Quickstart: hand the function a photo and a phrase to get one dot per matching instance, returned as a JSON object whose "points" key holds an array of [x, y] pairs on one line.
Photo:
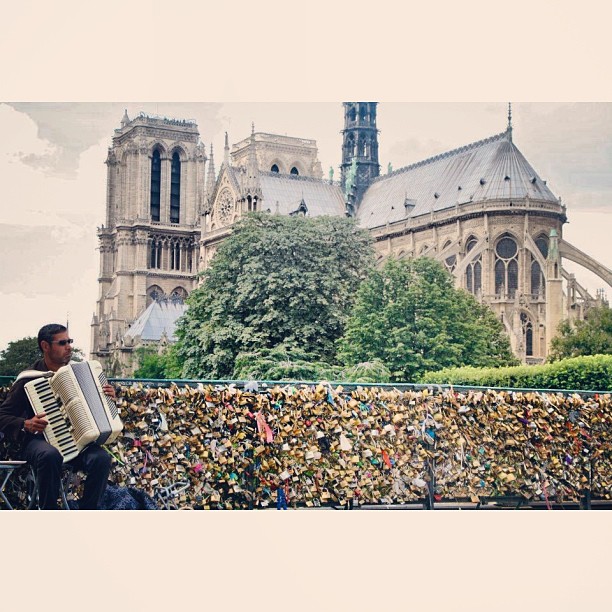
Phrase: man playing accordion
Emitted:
{"points": [[19, 423]]}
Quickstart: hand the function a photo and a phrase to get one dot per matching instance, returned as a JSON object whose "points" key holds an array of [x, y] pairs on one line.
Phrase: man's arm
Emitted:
{"points": [[13, 412]]}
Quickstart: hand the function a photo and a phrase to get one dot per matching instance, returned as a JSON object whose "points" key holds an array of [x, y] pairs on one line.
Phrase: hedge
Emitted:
{"points": [[592, 373]]}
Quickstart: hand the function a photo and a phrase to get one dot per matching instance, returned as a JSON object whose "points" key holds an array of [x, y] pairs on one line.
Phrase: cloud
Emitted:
{"points": [[44, 260], [73, 127]]}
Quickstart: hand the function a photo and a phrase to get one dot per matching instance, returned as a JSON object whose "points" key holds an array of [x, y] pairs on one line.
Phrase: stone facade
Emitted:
{"points": [[528, 300], [282, 154]]}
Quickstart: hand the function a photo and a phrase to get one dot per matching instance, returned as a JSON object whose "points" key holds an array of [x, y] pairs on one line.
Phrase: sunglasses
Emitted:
{"points": [[62, 342]]}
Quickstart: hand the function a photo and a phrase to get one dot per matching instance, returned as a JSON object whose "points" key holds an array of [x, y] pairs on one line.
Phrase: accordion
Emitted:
{"points": [[79, 413]]}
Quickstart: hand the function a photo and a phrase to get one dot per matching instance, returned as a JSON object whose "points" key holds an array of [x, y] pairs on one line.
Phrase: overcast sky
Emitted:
{"points": [[54, 179]]}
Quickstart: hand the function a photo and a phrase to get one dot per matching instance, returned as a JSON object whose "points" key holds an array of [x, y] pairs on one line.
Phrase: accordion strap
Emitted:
{"points": [[33, 374]]}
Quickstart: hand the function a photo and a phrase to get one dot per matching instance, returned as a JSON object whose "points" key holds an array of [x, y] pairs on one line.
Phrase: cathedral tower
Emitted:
{"points": [[149, 244], [359, 151]]}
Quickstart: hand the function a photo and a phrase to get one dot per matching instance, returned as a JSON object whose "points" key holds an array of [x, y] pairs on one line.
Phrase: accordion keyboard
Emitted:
{"points": [[58, 432]]}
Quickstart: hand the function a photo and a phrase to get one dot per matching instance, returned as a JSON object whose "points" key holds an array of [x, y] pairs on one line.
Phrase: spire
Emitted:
{"points": [[125, 120], [252, 128], [226, 151], [252, 159], [509, 129], [210, 179]]}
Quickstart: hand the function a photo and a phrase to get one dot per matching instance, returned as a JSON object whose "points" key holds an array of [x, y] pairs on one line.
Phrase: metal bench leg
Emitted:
{"points": [[34, 502], [2, 495]]}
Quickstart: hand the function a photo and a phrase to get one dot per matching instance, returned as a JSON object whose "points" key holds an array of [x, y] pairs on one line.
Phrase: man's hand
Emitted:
{"points": [[36, 424], [110, 391]]}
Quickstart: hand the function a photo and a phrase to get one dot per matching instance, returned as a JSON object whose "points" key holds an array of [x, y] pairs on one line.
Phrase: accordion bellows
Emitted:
{"points": [[79, 413]]}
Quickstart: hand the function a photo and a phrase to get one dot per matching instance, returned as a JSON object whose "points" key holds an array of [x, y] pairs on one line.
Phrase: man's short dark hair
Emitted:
{"points": [[47, 332]]}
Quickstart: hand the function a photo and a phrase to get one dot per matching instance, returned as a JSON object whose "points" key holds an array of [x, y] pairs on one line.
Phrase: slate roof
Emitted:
{"points": [[159, 317], [491, 169], [321, 197]]}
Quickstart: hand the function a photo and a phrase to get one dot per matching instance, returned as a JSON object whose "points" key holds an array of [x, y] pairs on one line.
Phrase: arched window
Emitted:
{"points": [[295, 171], [154, 294], [178, 295], [473, 271], [175, 256], [538, 286], [274, 168], [155, 184], [350, 145], [473, 276], [527, 327], [506, 266], [352, 114], [175, 188], [542, 244]]}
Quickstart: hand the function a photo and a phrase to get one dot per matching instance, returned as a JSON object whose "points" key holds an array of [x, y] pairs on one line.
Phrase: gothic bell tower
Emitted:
{"points": [[149, 245], [359, 151]]}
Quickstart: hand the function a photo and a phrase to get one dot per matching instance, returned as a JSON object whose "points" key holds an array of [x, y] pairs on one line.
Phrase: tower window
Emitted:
{"points": [[155, 185], [175, 189], [274, 168], [295, 171], [175, 256]]}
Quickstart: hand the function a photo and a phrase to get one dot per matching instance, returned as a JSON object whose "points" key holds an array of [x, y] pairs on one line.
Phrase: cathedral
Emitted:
{"points": [[481, 210]]}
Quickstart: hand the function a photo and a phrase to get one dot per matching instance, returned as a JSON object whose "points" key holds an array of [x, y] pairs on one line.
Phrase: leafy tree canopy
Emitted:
{"points": [[162, 366], [276, 281], [409, 315], [18, 356], [591, 336]]}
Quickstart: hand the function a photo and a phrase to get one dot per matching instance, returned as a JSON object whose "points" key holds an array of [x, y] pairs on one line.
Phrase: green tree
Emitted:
{"points": [[591, 336], [409, 315], [19, 355], [276, 281], [152, 364]]}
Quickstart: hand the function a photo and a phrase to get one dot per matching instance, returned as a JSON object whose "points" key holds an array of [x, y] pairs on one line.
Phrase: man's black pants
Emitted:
{"points": [[47, 462]]}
